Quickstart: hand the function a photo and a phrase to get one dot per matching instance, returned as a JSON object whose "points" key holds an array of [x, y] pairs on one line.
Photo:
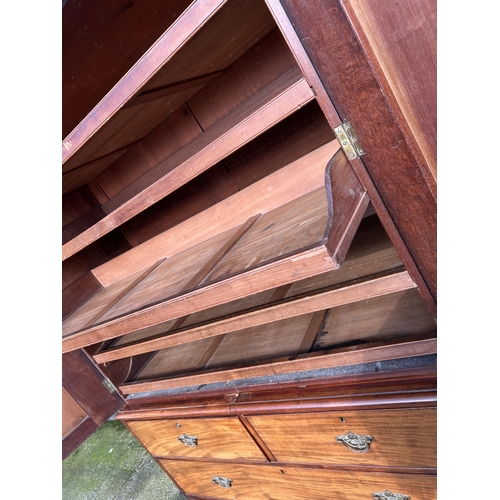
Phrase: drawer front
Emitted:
{"points": [[224, 438], [401, 438], [249, 482]]}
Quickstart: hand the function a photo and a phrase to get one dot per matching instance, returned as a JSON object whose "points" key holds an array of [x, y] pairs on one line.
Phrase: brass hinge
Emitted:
{"points": [[349, 141], [109, 385]]}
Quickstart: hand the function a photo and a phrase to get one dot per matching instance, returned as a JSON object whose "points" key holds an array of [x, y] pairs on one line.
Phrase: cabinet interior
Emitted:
{"points": [[214, 232], [220, 116]]}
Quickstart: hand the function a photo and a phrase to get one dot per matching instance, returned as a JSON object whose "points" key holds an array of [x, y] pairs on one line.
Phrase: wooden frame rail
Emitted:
{"points": [[193, 19], [373, 389], [314, 361], [285, 309]]}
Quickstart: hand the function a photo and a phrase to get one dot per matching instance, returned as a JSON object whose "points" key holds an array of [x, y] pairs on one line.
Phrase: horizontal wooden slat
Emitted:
{"points": [[165, 47], [274, 340], [307, 362], [288, 309], [281, 338], [273, 104], [300, 266]]}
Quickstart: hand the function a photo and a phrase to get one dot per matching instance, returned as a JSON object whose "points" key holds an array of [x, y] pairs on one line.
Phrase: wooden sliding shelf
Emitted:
{"points": [[301, 238], [216, 234]]}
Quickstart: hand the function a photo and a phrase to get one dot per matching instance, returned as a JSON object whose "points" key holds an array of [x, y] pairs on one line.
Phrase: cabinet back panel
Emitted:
{"points": [[267, 60], [177, 360], [401, 313], [282, 338]]}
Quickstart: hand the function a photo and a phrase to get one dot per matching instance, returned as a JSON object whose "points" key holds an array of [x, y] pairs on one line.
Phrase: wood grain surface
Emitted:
{"points": [[287, 229], [279, 482], [293, 180], [178, 274], [281, 338], [95, 57], [172, 134], [316, 361], [257, 115], [221, 438], [400, 192], [399, 313], [78, 292], [400, 39], [100, 302], [72, 413], [402, 438], [161, 51], [320, 301], [177, 360]]}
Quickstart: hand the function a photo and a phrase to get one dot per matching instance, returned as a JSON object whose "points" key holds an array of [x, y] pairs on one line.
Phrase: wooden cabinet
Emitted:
{"points": [[262, 300], [313, 443]]}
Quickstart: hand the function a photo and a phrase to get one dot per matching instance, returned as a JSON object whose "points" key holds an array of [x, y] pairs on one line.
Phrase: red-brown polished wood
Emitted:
{"points": [[95, 57], [332, 45], [83, 382]]}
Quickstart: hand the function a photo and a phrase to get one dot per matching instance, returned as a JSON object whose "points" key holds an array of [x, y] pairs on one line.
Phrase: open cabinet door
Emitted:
{"points": [[380, 60], [86, 401]]}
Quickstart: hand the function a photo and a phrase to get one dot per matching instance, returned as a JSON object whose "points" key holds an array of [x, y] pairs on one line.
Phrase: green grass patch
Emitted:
{"points": [[113, 465]]}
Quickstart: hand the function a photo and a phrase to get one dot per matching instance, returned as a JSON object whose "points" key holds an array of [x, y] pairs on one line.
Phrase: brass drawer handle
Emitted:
{"points": [[355, 442], [188, 440], [389, 495], [222, 481]]}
